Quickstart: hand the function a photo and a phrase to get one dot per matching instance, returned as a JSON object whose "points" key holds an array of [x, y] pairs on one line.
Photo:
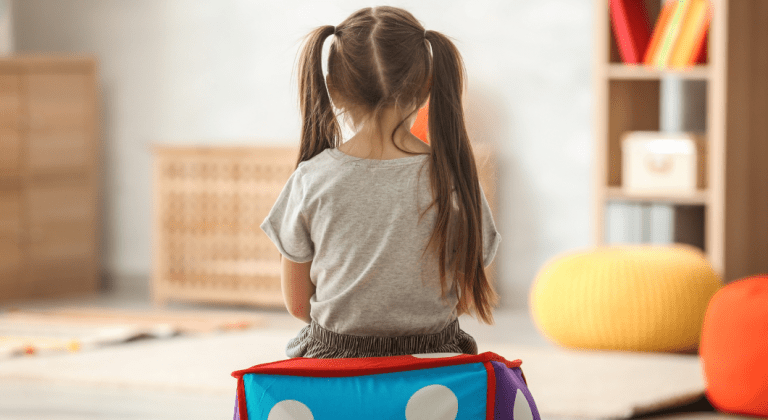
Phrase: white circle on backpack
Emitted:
{"points": [[290, 410], [432, 402]]}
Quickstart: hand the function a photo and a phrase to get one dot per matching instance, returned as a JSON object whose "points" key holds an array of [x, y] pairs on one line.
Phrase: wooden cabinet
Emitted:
{"points": [[49, 177], [728, 218]]}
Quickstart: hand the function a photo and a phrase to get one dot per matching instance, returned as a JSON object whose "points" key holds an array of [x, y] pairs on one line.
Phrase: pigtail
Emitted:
{"points": [[319, 128], [454, 172]]}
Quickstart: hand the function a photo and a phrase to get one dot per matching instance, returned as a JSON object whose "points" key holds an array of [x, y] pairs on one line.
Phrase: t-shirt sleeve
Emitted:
{"points": [[491, 236], [286, 224]]}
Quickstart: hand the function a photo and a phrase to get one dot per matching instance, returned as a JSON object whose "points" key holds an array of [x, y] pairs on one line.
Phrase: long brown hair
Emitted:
{"points": [[382, 57]]}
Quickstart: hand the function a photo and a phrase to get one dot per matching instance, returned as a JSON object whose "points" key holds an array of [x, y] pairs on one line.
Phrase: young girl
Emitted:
{"points": [[385, 238]]}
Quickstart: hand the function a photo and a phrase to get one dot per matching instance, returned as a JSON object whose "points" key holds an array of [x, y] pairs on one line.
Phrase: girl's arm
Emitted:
{"points": [[297, 288]]}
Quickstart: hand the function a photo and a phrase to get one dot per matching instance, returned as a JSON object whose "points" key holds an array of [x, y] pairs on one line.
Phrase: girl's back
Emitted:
{"points": [[375, 233]]}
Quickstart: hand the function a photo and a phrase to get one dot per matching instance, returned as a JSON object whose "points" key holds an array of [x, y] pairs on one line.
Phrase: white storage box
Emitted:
{"points": [[656, 162]]}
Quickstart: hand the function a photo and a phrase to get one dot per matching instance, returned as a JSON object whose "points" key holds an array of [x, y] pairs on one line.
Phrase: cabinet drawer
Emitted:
{"points": [[10, 150], [10, 101], [61, 220], [58, 151], [64, 199], [60, 240], [59, 101], [11, 271], [59, 277], [11, 251], [10, 215]]}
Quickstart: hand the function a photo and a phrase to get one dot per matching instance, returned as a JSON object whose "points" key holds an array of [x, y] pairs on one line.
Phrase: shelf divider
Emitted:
{"points": [[618, 71], [700, 197]]}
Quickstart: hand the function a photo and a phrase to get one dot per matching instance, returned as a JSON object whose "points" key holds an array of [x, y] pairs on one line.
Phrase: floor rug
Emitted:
{"points": [[565, 383], [607, 384], [33, 332]]}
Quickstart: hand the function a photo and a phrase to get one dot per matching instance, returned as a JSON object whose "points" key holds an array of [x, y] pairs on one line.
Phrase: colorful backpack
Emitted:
{"points": [[434, 386]]}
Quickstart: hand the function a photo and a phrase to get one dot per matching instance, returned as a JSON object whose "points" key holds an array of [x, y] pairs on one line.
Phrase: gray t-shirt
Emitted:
{"points": [[357, 220]]}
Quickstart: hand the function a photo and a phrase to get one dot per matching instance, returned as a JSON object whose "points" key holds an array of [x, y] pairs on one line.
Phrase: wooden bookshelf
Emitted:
{"points": [[728, 219]]}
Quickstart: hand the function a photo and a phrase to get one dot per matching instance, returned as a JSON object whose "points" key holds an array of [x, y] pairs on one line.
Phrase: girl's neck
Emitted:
{"points": [[376, 141]]}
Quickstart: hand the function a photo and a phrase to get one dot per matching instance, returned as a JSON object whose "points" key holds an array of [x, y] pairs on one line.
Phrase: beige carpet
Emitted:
{"points": [[37, 332], [564, 383], [598, 384]]}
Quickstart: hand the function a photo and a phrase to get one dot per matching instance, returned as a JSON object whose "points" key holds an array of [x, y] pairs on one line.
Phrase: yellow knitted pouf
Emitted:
{"points": [[630, 297]]}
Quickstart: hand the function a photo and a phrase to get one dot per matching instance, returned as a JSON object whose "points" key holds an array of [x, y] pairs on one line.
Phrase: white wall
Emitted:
{"points": [[216, 72]]}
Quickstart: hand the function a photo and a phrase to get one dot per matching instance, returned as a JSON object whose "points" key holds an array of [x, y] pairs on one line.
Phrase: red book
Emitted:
{"points": [[701, 56], [700, 53], [631, 29]]}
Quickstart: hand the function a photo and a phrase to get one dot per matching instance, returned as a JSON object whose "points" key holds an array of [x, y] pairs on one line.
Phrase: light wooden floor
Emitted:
{"points": [[23, 400]]}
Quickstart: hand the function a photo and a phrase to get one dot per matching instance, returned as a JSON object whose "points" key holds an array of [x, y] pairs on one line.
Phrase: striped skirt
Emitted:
{"points": [[317, 342]]}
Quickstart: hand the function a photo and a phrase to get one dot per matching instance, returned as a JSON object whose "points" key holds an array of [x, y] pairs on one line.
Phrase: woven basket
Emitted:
{"points": [[209, 202]]}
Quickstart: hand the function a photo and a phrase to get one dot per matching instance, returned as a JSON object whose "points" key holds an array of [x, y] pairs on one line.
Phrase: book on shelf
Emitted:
{"points": [[670, 33], [679, 38], [631, 29], [692, 33], [701, 44], [661, 24], [703, 48]]}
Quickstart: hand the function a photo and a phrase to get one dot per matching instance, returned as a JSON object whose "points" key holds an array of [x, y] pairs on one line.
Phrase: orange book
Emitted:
{"points": [[693, 27], [699, 53], [670, 35], [658, 31]]}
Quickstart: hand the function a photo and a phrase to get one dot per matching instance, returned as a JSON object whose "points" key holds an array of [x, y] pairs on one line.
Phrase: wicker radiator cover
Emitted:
{"points": [[208, 204]]}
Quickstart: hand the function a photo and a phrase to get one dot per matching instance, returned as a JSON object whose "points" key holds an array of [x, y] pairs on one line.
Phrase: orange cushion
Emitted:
{"points": [[420, 127], [734, 347]]}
